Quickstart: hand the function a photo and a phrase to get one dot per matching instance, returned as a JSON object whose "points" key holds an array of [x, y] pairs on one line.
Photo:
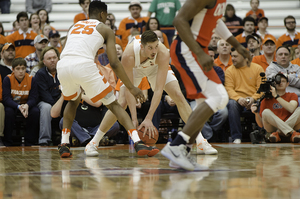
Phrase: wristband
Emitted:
{"points": [[277, 96]]}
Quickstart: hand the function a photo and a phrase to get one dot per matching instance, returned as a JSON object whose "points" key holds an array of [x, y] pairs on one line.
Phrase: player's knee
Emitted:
{"points": [[218, 99]]}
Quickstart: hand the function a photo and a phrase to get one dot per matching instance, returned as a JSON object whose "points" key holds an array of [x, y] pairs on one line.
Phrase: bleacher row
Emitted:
{"points": [[64, 11]]}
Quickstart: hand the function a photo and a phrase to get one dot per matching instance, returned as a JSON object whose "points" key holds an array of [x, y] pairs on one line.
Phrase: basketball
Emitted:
{"points": [[146, 139]]}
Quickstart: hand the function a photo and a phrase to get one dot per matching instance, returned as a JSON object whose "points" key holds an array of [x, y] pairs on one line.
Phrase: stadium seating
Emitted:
{"points": [[64, 11]]}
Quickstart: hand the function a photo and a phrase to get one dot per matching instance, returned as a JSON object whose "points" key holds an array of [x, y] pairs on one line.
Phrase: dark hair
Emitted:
{"points": [[111, 25], [284, 46], [31, 18], [2, 32], [21, 14], [18, 62], [97, 7], [82, 1], [148, 23], [229, 7], [148, 36], [210, 48], [46, 49], [248, 19], [289, 17], [38, 12]]}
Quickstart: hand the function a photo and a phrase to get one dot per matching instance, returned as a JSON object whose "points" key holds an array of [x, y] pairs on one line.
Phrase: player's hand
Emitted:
{"points": [[205, 61], [135, 123], [148, 128], [245, 53], [138, 94]]}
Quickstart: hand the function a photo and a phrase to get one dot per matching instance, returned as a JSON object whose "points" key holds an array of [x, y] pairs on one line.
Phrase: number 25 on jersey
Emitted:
{"points": [[83, 29]]}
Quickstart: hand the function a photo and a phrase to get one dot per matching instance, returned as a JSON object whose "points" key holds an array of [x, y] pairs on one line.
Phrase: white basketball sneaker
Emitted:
{"points": [[178, 155], [91, 149], [204, 148]]}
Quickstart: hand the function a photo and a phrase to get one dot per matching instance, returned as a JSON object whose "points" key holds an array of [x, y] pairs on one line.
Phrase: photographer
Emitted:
{"points": [[279, 115], [284, 65]]}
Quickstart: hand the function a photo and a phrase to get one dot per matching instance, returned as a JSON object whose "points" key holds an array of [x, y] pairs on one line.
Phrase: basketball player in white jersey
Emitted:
{"points": [[146, 56], [77, 71]]}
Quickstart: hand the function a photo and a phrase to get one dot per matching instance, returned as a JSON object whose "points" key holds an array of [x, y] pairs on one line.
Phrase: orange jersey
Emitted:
{"points": [[20, 91], [3, 39], [296, 61], [285, 39], [81, 16], [202, 26], [126, 24], [259, 14], [221, 65], [262, 61], [144, 85], [23, 46]]}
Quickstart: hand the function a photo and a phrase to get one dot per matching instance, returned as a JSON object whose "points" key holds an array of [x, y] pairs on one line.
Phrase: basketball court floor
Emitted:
{"points": [[239, 171]]}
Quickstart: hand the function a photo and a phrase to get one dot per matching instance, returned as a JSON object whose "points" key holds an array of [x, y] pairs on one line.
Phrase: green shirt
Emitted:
{"points": [[165, 10]]}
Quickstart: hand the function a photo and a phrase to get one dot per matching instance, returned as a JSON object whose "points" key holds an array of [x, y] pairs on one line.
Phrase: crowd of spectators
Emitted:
{"points": [[34, 46]]}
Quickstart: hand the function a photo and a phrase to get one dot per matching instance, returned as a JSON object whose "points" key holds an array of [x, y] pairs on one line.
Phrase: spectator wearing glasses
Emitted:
{"points": [[291, 37]]}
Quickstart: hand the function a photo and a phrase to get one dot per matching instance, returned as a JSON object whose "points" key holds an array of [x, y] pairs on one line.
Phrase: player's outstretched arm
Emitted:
{"points": [[116, 65]]}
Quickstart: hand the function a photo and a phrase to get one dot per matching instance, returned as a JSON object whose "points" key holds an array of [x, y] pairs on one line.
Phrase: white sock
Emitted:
{"points": [[184, 136], [65, 136], [98, 136], [199, 138], [135, 136]]}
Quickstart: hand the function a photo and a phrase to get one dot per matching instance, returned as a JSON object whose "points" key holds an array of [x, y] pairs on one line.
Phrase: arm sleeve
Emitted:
{"points": [[7, 98], [33, 94], [229, 85]]}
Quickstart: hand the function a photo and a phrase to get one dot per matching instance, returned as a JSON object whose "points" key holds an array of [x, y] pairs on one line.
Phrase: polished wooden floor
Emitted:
{"points": [[237, 172]]}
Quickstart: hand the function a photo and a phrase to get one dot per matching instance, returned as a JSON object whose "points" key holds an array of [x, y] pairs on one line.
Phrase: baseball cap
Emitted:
{"points": [[260, 19], [283, 75], [53, 33], [253, 37], [135, 3], [40, 38], [6, 46], [268, 39]]}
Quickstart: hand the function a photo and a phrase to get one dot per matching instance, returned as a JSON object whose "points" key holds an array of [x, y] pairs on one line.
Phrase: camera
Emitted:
{"points": [[266, 83], [258, 136]]}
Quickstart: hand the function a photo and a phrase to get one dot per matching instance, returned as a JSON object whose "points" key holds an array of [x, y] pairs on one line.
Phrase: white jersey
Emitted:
{"points": [[83, 40], [137, 49]]}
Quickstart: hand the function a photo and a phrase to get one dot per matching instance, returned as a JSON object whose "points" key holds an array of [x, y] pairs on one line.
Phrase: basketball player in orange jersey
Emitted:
{"points": [[77, 71], [195, 23]]}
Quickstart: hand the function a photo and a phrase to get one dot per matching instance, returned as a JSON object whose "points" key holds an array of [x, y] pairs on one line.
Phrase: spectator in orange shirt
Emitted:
{"points": [[23, 38], [224, 58], [133, 23], [262, 28], [84, 4], [249, 26], [255, 12], [269, 47], [291, 37]]}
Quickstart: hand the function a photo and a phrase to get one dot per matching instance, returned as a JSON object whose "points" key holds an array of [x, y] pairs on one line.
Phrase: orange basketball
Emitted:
{"points": [[146, 139]]}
